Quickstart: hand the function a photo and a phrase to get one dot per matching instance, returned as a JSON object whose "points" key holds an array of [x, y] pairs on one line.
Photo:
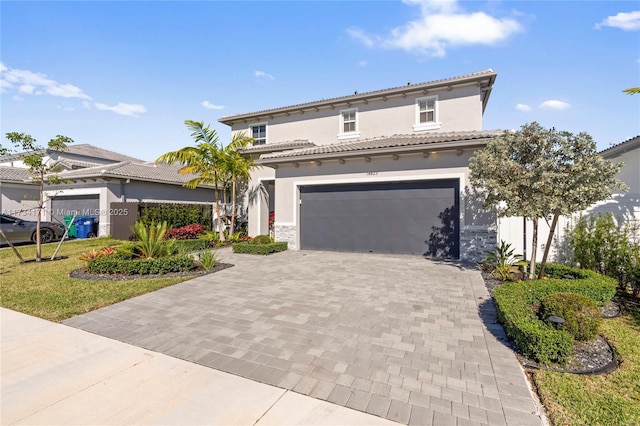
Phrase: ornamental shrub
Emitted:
{"points": [[516, 305], [581, 315], [610, 248], [189, 232], [251, 248], [119, 264], [262, 239]]}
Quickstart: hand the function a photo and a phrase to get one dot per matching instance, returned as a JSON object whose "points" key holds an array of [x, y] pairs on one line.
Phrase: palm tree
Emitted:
{"points": [[632, 91], [204, 160], [237, 167]]}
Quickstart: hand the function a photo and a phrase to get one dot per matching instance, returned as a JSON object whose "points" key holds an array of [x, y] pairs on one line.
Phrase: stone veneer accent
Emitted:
{"points": [[286, 233], [475, 240]]}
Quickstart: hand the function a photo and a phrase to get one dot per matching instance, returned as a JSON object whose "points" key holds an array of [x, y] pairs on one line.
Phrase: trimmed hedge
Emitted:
{"points": [[116, 264], [185, 246], [581, 315], [516, 305], [259, 248]]}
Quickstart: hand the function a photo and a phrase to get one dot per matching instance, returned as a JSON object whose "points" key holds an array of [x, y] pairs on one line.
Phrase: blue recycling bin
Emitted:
{"points": [[84, 226]]}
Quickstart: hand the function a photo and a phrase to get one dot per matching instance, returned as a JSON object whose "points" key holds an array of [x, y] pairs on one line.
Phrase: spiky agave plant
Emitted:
{"points": [[151, 240]]}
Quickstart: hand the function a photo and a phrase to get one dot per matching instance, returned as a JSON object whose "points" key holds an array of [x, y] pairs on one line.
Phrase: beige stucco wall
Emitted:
{"points": [[459, 109], [630, 172], [19, 200], [258, 204]]}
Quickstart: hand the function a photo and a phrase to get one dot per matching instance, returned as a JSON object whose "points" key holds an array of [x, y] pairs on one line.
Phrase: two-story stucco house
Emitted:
{"points": [[382, 171]]}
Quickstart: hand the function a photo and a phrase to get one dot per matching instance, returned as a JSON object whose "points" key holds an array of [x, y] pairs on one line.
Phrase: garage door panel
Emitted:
{"points": [[401, 217], [82, 205]]}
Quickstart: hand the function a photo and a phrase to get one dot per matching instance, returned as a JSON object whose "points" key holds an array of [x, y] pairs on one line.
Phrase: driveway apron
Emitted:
{"points": [[400, 337]]}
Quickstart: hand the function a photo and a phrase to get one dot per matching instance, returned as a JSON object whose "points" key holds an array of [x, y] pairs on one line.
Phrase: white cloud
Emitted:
{"points": [[442, 25], [362, 63], [262, 74], [209, 105], [29, 82], [87, 104], [131, 110], [65, 108], [555, 104], [625, 21], [360, 35], [523, 107], [17, 98]]}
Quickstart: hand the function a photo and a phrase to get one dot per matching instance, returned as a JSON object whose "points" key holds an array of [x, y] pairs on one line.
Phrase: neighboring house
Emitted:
{"points": [[18, 195], [382, 171], [625, 205], [92, 179]]}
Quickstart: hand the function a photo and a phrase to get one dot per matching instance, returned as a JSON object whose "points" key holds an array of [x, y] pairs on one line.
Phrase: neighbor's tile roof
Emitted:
{"points": [[162, 173], [395, 141], [365, 95], [78, 164], [79, 149], [279, 146], [96, 152], [14, 174], [621, 148]]}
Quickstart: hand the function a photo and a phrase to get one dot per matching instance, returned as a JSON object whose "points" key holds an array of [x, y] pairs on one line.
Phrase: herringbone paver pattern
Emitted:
{"points": [[400, 337]]}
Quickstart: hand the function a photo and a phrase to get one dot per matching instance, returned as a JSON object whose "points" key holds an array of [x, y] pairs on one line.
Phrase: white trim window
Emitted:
{"points": [[426, 114], [348, 124], [259, 133]]}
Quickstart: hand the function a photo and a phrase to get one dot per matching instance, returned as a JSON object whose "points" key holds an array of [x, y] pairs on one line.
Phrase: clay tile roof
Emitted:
{"points": [[153, 172], [395, 141], [279, 146], [14, 174]]}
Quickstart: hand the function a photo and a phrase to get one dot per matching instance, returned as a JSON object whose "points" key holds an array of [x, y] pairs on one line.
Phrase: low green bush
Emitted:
{"points": [[261, 239], [582, 317], [556, 270], [517, 305], [122, 264], [185, 246], [251, 248]]}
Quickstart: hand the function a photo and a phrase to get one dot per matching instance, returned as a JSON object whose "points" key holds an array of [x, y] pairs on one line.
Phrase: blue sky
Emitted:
{"points": [[125, 75]]}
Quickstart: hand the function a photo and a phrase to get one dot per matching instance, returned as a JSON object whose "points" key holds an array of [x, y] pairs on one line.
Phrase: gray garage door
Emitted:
{"points": [[84, 205], [399, 217]]}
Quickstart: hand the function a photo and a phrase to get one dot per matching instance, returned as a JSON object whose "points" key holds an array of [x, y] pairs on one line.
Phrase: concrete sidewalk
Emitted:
{"points": [[54, 374]]}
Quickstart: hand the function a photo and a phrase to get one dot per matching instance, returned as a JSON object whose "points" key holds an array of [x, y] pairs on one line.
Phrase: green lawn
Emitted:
{"points": [[611, 399], [45, 289]]}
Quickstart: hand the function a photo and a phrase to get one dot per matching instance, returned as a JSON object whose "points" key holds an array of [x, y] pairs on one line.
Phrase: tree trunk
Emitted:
{"points": [[220, 232], [39, 219], [554, 222], [233, 206], [534, 249]]}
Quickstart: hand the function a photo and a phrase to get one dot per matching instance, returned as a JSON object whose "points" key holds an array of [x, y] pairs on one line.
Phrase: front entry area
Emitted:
{"points": [[412, 217]]}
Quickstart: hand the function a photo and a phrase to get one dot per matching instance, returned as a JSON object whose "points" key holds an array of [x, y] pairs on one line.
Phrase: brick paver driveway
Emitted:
{"points": [[400, 337]]}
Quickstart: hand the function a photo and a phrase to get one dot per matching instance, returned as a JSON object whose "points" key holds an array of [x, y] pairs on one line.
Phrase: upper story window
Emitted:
{"points": [[348, 124], [426, 113], [259, 134]]}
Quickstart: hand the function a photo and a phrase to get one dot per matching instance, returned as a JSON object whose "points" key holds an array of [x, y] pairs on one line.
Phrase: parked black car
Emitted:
{"points": [[19, 230]]}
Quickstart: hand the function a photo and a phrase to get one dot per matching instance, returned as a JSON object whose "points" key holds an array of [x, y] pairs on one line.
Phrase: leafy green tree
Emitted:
{"points": [[204, 160], [33, 156], [237, 168], [542, 173]]}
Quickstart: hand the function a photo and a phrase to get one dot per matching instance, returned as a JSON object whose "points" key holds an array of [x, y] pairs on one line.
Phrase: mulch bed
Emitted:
{"points": [[83, 275], [593, 357]]}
